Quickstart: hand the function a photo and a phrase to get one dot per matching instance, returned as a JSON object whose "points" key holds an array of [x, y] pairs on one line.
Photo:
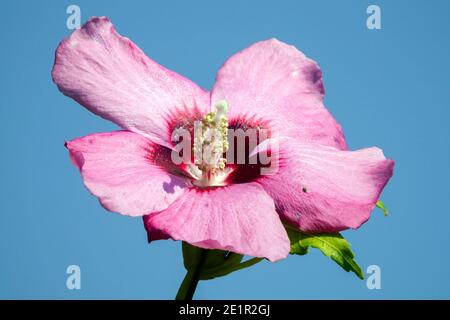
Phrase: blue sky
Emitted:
{"points": [[388, 88]]}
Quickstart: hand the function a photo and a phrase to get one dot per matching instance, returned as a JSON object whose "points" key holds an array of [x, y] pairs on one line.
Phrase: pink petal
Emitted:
{"points": [[322, 189], [274, 81], [113, 78], [121, 169], [239, 218]]}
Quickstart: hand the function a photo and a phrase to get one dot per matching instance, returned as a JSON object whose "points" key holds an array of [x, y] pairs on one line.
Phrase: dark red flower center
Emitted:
{"points": [[236, 163]]}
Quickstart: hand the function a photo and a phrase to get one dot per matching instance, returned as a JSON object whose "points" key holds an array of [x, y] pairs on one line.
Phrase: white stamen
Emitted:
{"points": [[210, 143]]}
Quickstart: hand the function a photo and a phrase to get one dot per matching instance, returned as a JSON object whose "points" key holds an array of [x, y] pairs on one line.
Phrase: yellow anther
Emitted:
{"points": [[211, 140]]}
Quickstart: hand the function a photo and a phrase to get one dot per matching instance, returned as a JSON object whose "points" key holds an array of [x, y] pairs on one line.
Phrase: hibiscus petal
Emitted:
{"points": [[122, 169], [113, 78], [239, 218], [276, 82], [322, 189]]}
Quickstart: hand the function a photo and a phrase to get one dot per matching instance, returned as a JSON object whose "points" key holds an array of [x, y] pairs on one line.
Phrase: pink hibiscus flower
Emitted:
{"points": [[318, 185]]}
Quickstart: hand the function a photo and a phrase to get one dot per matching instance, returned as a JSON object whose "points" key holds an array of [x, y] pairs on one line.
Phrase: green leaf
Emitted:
{"points": [[217, 263], [381, 206], [331, 245]]}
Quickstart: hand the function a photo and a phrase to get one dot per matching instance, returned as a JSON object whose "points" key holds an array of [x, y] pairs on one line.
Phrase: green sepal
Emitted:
{"points": [[381, 206], [217, 263]]}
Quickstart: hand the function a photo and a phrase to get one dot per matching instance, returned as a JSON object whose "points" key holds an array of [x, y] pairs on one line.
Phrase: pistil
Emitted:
{"points": [[210, 143]]}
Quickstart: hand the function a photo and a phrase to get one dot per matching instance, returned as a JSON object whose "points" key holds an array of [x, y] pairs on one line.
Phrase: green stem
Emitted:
{"points": [[190, 281]]}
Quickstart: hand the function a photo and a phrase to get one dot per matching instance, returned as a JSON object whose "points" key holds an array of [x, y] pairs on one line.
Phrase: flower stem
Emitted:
{"points": [[190, 281]]}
